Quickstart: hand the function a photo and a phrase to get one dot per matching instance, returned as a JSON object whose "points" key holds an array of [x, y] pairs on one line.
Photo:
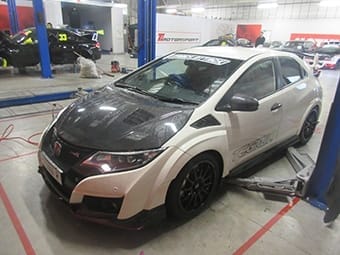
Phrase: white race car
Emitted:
{"points": [[163, 137]]}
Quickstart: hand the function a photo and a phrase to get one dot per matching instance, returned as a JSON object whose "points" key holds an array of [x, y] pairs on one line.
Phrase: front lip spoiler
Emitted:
{"points": [[136, 222]]}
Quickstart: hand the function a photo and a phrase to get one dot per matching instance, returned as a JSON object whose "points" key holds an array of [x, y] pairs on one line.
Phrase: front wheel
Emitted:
{"points": [[193, 188], [308, 127]]}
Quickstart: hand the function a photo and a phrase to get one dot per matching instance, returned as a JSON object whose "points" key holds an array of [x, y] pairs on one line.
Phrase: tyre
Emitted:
{"points": [[194, 187], [308, 127]]}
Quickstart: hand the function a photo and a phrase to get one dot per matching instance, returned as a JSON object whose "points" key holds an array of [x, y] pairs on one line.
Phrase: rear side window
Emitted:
{"points": [[290, 70]]}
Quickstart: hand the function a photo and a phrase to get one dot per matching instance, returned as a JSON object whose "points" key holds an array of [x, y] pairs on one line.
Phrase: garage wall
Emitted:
{"points": [[117, 30], [180, 32], [282, 29], [53, 12], [280, 22]]}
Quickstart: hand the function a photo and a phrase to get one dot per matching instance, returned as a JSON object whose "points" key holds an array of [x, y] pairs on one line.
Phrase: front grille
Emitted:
{"points": [[70, 155]]}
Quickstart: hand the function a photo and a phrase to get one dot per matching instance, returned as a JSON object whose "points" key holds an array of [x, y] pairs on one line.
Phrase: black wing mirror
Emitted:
{"points": [[240, 102]]}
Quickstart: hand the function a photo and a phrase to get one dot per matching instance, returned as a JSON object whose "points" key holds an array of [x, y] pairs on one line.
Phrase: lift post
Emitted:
{"points": [[146, 31], [327, 159], [40, 24], [13, 17]]}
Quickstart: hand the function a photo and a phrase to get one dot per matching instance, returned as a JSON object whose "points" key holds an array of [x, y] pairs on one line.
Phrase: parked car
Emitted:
{"points": [[328, 57], [299, 47], [220, 42], [22, 49], [243, 42], [330, 43], [162, 137]]}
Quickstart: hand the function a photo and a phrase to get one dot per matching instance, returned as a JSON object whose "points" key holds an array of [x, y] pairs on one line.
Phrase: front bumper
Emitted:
{"points": [[103, 210]]}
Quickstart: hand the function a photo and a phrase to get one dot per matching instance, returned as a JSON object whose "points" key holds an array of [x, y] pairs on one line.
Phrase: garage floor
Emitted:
{"points": [[33, 221]]}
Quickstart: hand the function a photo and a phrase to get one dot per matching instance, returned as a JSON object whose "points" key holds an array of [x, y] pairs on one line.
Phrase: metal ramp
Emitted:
{"points": [[302, 164]]}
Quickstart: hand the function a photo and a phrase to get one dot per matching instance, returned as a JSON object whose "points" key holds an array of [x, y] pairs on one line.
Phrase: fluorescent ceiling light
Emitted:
{"points": [[267, 5], [197, 9], [330, 3], [170, 11]]}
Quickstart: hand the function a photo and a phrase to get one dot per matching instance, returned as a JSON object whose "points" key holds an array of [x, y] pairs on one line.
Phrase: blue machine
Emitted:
{"points": [[327, 159]]}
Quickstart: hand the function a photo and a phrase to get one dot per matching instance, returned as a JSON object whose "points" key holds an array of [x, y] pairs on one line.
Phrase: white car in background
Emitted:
{"points": [[163, 137]]}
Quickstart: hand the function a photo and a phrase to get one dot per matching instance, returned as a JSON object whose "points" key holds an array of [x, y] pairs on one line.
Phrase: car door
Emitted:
{"points": [[28, 53], [296, 94], [250, 133], [61, 46]]}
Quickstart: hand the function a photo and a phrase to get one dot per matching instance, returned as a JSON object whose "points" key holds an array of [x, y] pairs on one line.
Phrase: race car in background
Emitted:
{"points": [[329, 57], [21, 50]]}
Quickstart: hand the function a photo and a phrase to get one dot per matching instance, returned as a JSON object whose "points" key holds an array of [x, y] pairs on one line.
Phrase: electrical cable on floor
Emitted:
{"points": [[5, 136]]}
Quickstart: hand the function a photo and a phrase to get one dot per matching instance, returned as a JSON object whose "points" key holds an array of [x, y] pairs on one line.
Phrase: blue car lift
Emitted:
{"points": [[146, 31], [13, 17], [313, 180], [39, 19], [40, 24]]}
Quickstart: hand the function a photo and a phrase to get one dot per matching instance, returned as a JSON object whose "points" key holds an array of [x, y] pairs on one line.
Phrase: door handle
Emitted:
{"points": [[275, 107]]}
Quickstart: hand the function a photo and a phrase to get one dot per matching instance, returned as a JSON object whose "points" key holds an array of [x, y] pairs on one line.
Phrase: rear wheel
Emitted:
{"points": [[308, 127], [193, 188]]}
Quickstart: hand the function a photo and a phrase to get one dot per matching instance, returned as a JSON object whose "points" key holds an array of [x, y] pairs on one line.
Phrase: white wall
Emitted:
{"points": [[280, 22], [117, 30], [180, 32], [282, 29], [53, 12]]}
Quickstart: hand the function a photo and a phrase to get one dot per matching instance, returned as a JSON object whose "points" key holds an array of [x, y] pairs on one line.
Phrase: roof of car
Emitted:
{"points": [[226, 52]]}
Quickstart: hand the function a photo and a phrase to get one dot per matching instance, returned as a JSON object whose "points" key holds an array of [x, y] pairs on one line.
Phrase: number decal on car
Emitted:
{"points": [[62, 37]]}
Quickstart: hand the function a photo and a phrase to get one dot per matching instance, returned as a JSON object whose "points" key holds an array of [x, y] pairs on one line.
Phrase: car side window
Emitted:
{"points": [[258, 81], [290, 70]]}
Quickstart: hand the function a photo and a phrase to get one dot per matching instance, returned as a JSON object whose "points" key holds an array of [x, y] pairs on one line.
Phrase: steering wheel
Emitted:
{"points": [[177, 80]]}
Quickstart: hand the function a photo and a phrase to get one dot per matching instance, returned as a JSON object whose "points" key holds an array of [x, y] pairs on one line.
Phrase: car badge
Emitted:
{"points": [[57, 149]]}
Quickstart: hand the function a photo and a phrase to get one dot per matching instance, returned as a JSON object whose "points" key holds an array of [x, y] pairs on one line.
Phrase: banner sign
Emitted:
{"points": [[169, 37]]}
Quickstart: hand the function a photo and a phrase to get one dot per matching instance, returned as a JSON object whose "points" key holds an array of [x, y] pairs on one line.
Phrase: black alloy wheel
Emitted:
{"points": [[193, 188], [308, 127]]}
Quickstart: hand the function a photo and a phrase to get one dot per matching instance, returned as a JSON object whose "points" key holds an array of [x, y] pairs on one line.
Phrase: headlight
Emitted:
{"points": [[105, 162]]}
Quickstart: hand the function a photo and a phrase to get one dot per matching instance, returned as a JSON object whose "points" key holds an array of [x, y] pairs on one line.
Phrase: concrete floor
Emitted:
{"points": [[238, 222]]}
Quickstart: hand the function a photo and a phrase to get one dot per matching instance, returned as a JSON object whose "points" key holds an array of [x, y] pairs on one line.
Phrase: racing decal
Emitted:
{"points": [[4, 62], [205, 59], [62, 37], [252, 146]]}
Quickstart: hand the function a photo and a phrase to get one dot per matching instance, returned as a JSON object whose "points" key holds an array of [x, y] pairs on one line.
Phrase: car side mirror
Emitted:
{"points": [[240, 102]]}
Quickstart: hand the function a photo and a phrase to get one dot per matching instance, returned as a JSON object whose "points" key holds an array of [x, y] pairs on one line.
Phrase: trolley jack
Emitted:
{"points": [[303, 165]]}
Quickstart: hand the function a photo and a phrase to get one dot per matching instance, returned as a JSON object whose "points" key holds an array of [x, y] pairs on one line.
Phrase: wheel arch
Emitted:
{"points": [[312, 106]]}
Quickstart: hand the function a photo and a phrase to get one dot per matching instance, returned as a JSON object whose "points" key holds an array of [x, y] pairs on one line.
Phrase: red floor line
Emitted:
{"points": [[265, 228], [18, 156], [16, 223]]}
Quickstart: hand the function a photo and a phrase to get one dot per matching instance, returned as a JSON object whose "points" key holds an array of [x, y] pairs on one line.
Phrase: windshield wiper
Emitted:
{"points": [[132, 88], [175, 100]]}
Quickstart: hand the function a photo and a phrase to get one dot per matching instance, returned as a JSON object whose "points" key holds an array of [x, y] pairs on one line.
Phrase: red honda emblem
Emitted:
{"points": [[57, 149]]}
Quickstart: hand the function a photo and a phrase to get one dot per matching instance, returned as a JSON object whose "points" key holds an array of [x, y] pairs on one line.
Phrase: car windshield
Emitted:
{"points": [[293, 44], [181, 78]]}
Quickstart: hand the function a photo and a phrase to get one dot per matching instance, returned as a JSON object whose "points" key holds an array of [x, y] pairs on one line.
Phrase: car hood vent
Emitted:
{"points": [[138, 117]]}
